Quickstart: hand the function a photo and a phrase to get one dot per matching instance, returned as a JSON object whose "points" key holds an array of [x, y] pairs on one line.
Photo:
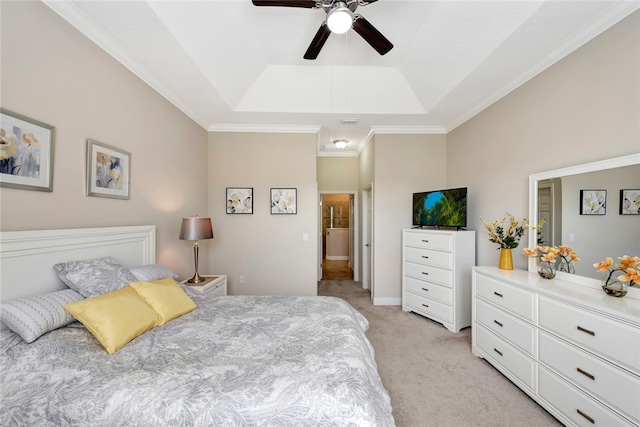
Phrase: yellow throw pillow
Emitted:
{"points": [[165, 297], [114, 318]]}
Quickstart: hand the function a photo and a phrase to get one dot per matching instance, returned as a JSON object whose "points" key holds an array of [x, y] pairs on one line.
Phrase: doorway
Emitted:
{"points": [[337, 231]]}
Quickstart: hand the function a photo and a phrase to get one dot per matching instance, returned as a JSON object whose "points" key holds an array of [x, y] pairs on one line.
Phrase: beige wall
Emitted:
{"points": [[268, 250], [582, 109], [338, 174], [52, 73], [404, 164]]}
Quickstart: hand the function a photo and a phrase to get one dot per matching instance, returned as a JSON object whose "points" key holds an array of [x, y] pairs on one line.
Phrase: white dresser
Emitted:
{"points": [[572, 348], [436, 275]]}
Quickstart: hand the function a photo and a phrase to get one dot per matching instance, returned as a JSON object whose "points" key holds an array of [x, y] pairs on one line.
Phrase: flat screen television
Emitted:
{"points": [[441, 208]]}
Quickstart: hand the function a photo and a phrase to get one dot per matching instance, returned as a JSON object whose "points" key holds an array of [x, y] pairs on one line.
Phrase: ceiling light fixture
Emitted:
{"points": [[340, 143], [340, 18]]}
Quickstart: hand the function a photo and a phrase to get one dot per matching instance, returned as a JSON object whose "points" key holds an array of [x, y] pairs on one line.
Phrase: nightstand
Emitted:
{"points": [[213, 285]]}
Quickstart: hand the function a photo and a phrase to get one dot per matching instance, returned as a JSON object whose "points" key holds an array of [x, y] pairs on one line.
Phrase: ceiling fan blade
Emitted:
{"points": [[372, 36], [308, 4], [318, 41], [365, 2]]}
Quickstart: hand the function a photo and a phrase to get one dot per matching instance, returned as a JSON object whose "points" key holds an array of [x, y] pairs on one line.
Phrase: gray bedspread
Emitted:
{"points": [[234, 361]]}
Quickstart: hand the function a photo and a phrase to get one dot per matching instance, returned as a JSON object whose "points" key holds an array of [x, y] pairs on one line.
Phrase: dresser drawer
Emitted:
{"points": [[617, 388], [428, 307], [516, 331], [429, 290], [443, 242], [505, 355], [428, 273], [429, 257], [510, 298], [574, 404], [615, 341]]}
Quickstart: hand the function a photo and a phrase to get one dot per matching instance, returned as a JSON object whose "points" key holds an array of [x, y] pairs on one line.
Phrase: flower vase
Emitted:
{"points": [[566, 267], [506, 259], [546, 270], [612, 286]]}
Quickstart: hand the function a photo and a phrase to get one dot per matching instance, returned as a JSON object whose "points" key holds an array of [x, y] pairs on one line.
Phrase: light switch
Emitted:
{"points": [[571, 237], [305, 237]]}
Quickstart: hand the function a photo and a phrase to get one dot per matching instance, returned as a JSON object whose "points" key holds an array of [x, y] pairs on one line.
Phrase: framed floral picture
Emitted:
{"points": [[284, 201], [239, 200], [108, 171], [593, 202], [26, 153], [629, 202]]}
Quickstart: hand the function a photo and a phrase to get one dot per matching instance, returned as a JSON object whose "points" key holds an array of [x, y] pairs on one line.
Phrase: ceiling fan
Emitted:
{"points": [[340, 18]]}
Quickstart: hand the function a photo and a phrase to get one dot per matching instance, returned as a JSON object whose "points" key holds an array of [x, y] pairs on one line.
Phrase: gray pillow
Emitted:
{"points": [[151, 272], [32, 317], [94, 277]]}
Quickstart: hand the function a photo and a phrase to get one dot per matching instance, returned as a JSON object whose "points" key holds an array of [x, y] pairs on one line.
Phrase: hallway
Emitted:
{"points": [[336, 270]]}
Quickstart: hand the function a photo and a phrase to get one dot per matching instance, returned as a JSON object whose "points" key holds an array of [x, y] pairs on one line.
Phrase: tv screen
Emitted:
{"points": [[442, 208]]}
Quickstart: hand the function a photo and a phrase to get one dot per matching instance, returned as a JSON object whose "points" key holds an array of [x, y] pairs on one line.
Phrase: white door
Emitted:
{"points": [[545, 212], [351, 233]]}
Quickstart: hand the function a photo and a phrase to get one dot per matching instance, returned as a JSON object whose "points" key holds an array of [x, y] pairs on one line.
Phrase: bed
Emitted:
{"points": [[237, 360]]}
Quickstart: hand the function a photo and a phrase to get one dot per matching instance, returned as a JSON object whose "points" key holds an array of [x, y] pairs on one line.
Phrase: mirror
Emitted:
{"points": [[558, 195]]}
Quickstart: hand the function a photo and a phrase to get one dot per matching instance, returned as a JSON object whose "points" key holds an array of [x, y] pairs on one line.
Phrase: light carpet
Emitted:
{"points": [[431, 375]]}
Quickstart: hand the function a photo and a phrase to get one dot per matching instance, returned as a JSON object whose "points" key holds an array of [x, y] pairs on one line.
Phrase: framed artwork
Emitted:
{"points": [[239, 200], [284, 201], [108, 171], [26, 153], [629, 202], [593, 202]]}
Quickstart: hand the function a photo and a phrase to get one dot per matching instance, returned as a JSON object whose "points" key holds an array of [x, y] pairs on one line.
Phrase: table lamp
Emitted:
{"points": [[196, 229]]}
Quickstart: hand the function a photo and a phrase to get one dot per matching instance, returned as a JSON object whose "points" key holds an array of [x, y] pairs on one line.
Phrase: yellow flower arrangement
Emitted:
{"points": [[509, 237]]}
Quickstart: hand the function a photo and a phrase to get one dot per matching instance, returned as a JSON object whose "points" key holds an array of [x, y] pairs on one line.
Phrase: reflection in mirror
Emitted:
{"points": [[555, 196]]}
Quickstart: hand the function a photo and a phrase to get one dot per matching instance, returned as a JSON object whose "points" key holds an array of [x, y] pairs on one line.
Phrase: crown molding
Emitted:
{"points": [[409, 130], [223, 127]]}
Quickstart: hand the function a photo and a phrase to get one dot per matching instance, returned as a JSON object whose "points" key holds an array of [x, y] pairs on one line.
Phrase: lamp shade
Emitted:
{"points": [[196, 229]]}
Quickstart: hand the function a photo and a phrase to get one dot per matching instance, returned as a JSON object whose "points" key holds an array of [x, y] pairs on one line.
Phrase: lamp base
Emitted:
{"points": [[196, 279]]}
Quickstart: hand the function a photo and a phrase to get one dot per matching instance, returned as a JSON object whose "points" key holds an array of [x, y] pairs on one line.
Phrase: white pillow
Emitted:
{"points": [[94, 277], [32, 317], [152, 272]]}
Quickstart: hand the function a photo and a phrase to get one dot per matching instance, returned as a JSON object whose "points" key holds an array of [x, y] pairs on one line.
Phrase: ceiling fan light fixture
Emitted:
{"points": [[340, 143], [340, 18]]}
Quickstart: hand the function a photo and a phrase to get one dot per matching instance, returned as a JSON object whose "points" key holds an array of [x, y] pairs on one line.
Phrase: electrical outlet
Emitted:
{"points": [[241, 280]]}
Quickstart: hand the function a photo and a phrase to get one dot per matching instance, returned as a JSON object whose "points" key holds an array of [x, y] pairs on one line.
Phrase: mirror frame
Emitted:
{"points": [[630, 160]]}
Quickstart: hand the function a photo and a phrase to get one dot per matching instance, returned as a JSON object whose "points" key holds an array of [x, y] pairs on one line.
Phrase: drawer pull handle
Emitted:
{"points": [[425, 240], [591, 420], [425, 289], [425, 257], [586, 331], [500, 295], [425, 273], [425, 305], [497, 351], [586, 374], [497, 323]]}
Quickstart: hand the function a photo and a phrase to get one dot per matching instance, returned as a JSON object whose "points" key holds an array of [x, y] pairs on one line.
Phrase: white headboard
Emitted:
{"points": [[27, 257]]}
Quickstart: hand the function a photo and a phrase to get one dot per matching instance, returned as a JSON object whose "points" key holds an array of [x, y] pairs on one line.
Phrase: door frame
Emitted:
{"points": [[367, 234], [354, 230]]}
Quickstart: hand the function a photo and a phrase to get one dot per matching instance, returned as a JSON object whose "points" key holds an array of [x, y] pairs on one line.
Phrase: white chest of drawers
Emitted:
{"points": [[436, 275], [573, 349]]}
